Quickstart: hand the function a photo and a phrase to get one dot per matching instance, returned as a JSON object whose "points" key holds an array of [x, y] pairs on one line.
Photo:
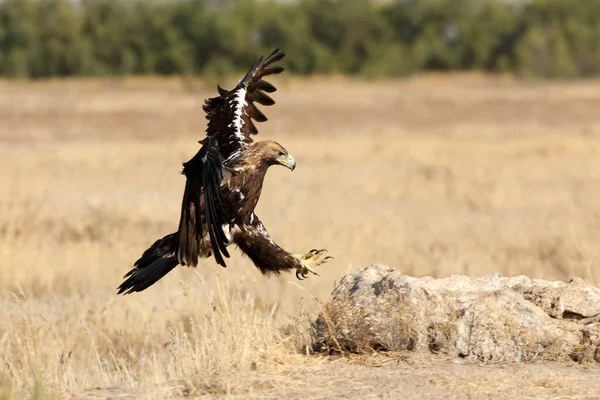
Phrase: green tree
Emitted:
{"points": [[19, 44]]}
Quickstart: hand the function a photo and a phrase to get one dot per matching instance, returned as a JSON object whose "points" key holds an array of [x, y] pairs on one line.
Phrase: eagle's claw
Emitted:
{"points": [[303, 271], [317, 252], [308, 261]]}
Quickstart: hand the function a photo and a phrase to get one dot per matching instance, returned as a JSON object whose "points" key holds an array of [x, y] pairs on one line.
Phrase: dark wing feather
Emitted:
{"points": [[213, 207], [202, 207], [251, 127], [272, 70], [189, 234], [222, 91], [232, 114], [261, 98], [265, 86], [255, 113]]}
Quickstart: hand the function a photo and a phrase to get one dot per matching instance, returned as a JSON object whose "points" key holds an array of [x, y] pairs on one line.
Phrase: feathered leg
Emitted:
{"points": [[256, 243]]}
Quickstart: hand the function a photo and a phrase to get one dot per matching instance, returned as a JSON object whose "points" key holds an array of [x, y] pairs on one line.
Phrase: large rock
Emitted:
{"points": [[490, 318]]}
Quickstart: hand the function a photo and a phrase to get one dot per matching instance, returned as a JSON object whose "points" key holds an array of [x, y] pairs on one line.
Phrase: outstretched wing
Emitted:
{"points": [[231, 115], [202, 208], [230, 124]]}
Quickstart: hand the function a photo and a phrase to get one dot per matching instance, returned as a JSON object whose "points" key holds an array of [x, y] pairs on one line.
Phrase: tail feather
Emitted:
{"points": [[155, 263]]}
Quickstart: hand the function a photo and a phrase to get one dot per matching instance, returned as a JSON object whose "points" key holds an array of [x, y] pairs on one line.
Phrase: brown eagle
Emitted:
{"points": [[223, 184]]}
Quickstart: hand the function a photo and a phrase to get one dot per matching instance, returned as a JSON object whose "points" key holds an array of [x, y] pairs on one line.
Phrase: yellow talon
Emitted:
{"points": [[310, 260]]}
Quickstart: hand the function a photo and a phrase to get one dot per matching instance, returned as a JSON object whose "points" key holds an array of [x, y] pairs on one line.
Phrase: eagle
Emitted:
{"points": [[223, 185]]}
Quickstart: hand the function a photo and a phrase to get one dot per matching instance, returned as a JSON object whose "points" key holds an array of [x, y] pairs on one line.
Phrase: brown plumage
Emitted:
{"points": [[223, 185]]}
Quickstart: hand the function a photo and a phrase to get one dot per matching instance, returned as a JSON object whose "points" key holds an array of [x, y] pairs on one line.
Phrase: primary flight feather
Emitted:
{"points": [[223, 185]]}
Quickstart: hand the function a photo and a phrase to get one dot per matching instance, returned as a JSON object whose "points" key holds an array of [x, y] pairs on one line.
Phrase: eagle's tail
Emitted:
{"points": [[155, 263]]}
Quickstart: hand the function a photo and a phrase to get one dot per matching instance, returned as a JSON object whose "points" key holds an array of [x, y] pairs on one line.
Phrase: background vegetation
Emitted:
{"points": [[537, 38]]}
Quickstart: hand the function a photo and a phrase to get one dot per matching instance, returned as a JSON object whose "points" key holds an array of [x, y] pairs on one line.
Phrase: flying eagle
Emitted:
{"points": [[223, 184]]}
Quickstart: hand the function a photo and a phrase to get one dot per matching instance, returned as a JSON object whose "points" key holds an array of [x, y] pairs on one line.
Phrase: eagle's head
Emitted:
{"points": [[272, 153]]}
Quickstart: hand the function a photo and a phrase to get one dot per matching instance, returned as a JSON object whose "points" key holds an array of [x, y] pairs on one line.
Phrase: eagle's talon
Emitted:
{"points": [[315, 252], [308, 261]]}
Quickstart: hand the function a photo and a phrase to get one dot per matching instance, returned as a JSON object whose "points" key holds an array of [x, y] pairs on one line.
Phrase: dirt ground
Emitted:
{"points": [[395, 377], [434, 175]]}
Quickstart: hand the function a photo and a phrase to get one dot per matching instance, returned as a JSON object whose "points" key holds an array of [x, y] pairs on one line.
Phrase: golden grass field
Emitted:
{"points": [[435, 175]]}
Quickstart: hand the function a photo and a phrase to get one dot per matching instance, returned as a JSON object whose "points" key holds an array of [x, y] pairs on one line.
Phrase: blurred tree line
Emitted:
{"points": [[532, 38]]}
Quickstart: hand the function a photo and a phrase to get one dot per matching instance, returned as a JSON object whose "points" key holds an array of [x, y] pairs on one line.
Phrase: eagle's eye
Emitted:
{"points": [[280, 153]]}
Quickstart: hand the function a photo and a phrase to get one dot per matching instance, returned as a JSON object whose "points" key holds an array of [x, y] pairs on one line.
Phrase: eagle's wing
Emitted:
{"points": [[230, 124], [231, 115], [202, 208]]}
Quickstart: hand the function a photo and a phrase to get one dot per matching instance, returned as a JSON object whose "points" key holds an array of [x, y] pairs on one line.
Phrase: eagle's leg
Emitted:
{"points": [[310, 260], [256, 243]]}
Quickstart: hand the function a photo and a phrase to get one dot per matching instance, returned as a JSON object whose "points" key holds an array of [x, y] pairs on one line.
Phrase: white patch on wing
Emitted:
{"points": [[235, 154], [262, 231], [226, 176], [238, 103], [252, 218], [183, 260], [239, 193], [230, 231], [226, 231]]}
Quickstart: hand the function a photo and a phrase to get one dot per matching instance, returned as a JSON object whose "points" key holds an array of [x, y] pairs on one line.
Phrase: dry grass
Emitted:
{"points": [[434, 176]]}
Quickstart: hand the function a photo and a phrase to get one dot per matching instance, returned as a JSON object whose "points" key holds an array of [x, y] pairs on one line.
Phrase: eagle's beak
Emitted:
{"points": [[288, 161]]}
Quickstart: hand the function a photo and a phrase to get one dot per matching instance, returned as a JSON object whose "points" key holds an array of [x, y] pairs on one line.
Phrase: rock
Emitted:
{"points": [[489, 318]]}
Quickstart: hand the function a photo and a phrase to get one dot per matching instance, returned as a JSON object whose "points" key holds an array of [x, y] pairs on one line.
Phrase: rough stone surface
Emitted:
{"points": [[489, 318]]}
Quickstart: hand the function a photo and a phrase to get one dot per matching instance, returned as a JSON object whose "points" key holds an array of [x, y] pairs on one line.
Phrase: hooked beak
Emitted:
{"points": [[288, 161]]}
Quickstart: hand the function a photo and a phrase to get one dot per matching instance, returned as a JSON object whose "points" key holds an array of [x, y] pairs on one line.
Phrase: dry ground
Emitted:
{"points": [[435, 176]]}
